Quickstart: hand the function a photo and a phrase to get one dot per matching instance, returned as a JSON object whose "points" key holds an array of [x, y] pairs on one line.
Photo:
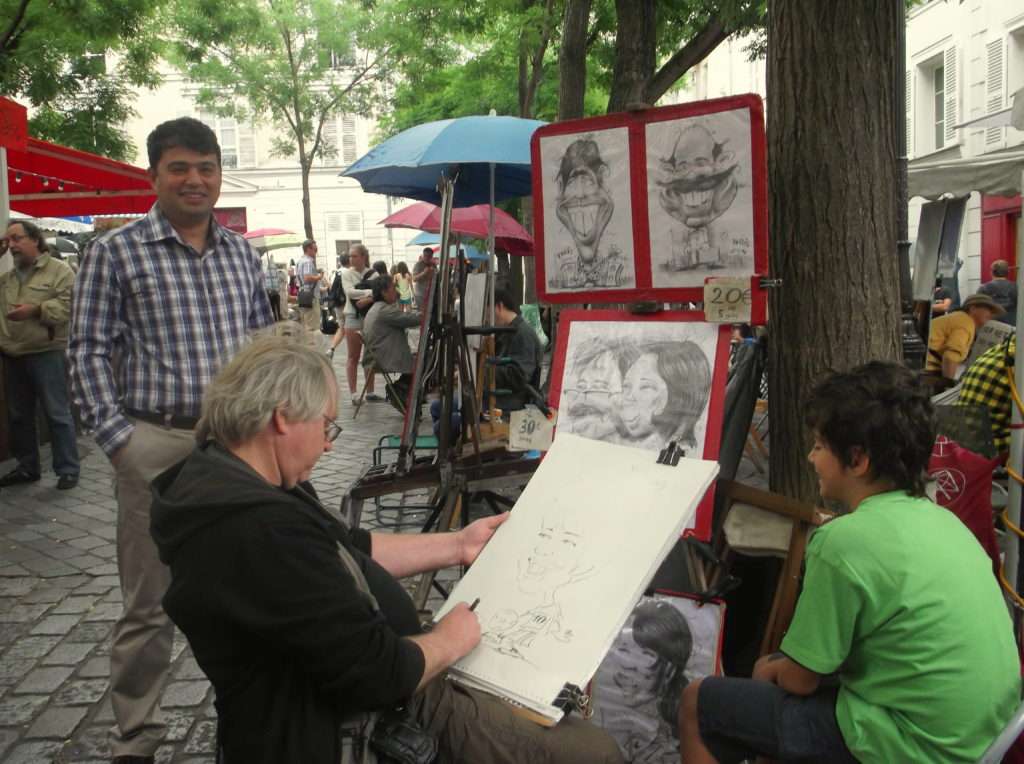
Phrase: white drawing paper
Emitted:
{"points": [[700, 200], [557, 582], [588, 220], [639, 383], [666, 643]]}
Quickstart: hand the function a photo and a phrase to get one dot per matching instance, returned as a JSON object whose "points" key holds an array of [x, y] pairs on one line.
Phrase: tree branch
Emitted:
{"points": [[684, 59], [19, 16]]}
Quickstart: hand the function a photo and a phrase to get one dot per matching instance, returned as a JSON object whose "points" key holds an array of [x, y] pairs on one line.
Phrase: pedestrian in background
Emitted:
{"points": [[1002, 290], [35, 304], [404, 283]]}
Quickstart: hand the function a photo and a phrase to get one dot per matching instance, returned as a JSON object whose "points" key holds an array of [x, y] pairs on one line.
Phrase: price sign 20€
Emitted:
{"points": [[727, 300]]}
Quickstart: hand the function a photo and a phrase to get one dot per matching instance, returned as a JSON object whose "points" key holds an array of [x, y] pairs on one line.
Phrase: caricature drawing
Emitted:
{"points": [[555, 561], [584, 206], [698, 184], [637, 388]]}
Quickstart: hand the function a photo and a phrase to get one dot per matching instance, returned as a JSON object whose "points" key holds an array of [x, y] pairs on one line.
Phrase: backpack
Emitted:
{"points": [[336, 295]]}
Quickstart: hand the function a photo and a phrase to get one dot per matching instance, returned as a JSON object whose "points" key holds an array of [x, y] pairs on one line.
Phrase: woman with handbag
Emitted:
{"points": [[358, 301]]}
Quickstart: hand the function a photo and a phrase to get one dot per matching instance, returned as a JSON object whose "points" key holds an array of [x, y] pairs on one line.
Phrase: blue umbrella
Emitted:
{"points": [[433, 240], [410, 163], [425, 239]]}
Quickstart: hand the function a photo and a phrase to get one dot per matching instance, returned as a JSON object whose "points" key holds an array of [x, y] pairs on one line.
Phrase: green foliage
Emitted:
{"points": [[295, 62], [52, 55]]}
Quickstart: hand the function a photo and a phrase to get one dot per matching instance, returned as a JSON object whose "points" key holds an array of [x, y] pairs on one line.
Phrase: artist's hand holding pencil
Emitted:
{"points": [[461, 628], [474, 537]]}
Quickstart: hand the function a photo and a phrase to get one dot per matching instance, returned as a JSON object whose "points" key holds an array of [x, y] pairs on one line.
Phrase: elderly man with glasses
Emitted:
{"points": [[299, 621]]}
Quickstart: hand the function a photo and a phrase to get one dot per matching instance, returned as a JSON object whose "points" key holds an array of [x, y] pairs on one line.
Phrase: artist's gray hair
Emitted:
{"points": [[271, 373]]}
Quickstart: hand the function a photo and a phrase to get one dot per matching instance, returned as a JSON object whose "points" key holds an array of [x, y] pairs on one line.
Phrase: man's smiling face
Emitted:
{"points": [[187, 185], [584, 205]]}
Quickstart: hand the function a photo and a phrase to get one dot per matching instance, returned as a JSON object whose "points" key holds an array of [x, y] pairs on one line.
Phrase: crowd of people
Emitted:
{"points": [[901, 648]]}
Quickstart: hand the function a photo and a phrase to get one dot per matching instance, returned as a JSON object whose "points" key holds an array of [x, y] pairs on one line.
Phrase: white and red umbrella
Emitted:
{"points": [[467, 221]]}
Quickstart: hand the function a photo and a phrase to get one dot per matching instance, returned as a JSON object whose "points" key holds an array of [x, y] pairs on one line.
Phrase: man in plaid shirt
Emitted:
{"points": [[985, 384], [160, 306]]}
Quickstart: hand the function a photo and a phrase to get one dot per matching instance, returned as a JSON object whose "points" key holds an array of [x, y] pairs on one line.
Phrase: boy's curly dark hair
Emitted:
{"points": [[881, 409]]}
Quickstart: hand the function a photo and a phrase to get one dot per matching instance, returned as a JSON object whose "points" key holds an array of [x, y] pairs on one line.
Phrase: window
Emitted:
{"points": [[345, 153], [939, 91], [993, 89], [237, 142]]}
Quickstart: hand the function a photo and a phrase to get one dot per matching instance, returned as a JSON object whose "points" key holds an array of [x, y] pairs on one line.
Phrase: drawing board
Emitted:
{"points": [[642, 381], [647, 205], [559, 553]]}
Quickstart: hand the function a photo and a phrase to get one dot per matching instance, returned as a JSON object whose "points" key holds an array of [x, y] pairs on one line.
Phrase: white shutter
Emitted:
{"points": [[348, 139], [354, 223], [334, 223], [246, 145], [329, 137], [951, 110], [908, 105], [993, 88]]}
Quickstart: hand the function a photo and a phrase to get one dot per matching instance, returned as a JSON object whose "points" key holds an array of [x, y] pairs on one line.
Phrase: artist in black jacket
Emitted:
{"points": [[271, 590]]}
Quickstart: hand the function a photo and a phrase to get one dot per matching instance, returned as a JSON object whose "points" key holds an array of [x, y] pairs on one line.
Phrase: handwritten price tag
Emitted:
{"points": [[530, 430], [727, 300]]}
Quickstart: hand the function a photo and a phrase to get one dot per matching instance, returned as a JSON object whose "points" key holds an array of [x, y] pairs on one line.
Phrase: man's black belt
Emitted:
{"points": [[174, 421]]}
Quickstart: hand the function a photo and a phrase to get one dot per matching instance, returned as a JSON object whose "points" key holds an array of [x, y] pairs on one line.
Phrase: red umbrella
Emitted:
{"points": [[266, 232], [469, 221]]}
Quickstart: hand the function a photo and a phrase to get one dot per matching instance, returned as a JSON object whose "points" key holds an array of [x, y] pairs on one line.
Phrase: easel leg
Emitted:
{"points": [[452, 506]]}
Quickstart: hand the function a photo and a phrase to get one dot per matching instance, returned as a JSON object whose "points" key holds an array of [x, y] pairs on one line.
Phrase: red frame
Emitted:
{"points": [[716, 400], [636, 122]]}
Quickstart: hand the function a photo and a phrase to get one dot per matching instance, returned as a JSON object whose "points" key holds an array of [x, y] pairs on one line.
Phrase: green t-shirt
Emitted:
{"points": [[900, 599]]}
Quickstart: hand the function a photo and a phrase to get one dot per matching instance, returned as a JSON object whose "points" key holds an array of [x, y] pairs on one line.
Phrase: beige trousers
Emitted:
{"points": [[140, 655]]}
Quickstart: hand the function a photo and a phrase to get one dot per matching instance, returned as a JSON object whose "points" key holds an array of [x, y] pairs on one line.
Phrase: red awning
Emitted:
{"points": [[47, 179]]}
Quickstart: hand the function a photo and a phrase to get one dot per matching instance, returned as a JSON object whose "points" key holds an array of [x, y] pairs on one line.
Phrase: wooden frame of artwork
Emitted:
{"points": [[605, 375], [647, 205]]}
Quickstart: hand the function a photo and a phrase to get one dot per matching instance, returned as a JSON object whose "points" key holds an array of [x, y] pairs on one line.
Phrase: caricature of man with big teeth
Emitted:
{"points": [[698, 185], [584, 206]]}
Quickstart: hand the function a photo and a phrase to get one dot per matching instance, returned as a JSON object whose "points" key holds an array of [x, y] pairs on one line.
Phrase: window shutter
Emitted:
{"points": [[952, 112], [354, 222], [993, 88], [908, 105], [246, 145], [329, 155], [334, 223], [348, 139]]}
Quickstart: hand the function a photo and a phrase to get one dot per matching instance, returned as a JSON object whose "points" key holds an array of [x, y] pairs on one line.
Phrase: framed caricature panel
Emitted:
{"points": [[643, 381], [668, 641], [647, 205]]}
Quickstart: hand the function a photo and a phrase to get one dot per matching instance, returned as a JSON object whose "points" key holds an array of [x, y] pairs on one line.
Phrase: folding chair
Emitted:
{"points": [[370, 367]]}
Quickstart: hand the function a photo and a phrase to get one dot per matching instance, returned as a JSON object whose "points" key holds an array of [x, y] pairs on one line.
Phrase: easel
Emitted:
{"points": [[443, 351]]}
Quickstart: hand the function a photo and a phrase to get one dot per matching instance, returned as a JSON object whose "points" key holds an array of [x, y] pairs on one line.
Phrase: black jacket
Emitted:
{"points": [[273, 617], [524, 349]]}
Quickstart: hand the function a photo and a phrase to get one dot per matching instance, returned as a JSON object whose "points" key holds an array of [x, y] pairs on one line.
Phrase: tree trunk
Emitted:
{"points": [[635, 43], [832, 204], [307, 217], [572, 60]]}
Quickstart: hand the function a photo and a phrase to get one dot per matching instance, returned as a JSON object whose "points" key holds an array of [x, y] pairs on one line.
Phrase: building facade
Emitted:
{"points": [[263, 191], [964, 61]]}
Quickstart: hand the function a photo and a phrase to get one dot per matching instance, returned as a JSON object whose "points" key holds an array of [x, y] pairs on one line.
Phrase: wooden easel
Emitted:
{"points": [[804, 516]]}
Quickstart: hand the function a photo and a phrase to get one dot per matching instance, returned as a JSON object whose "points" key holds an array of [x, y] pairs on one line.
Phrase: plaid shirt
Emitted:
{"points": [[153, 322], [985, 384]]}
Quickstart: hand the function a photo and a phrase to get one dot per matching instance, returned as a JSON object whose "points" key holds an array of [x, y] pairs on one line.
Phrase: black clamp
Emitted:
{"points": [[572, 698], [671, 454], [767, 283]]}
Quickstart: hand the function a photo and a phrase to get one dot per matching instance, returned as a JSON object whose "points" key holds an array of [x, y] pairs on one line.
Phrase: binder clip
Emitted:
{"points": [[671, 454], [572, 698]]}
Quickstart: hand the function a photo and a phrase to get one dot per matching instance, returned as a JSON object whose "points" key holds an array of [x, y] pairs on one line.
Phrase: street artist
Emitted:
{"points": [[899, 600], [306, 625]]}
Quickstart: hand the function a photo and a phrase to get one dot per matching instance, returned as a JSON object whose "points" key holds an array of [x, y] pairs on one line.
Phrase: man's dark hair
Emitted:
{"points": [[379, 286], [381, 267], [33, 232], [343, 261], [1000, 269], [583, 152], [184, 132], [881, 410], [307, 244], [503, 296], [428, 252]]}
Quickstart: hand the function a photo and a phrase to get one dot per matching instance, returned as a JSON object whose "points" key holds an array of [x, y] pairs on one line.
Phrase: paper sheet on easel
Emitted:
{"points": [[558, 579]]}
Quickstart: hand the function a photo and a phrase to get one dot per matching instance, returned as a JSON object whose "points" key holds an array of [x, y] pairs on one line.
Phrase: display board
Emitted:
{"points": [[643, 381], [648, 205]]}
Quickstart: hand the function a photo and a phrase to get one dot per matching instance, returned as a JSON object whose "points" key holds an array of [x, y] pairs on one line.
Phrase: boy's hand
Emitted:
{"points": [[767, 668]]}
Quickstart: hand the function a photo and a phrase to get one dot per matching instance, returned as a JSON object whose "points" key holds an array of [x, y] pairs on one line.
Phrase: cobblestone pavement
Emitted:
{"points": [[59, 598]]}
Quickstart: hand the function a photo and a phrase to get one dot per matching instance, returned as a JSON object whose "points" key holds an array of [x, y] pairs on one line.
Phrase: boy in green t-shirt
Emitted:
{"points": [[899, 601]]}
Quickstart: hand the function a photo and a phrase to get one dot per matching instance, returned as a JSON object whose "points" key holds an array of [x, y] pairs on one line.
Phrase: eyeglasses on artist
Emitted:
{"points": [[331, 429]]}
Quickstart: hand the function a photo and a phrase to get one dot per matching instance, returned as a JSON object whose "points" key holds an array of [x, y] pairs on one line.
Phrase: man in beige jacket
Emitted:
{"points": [[35, 306]]}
